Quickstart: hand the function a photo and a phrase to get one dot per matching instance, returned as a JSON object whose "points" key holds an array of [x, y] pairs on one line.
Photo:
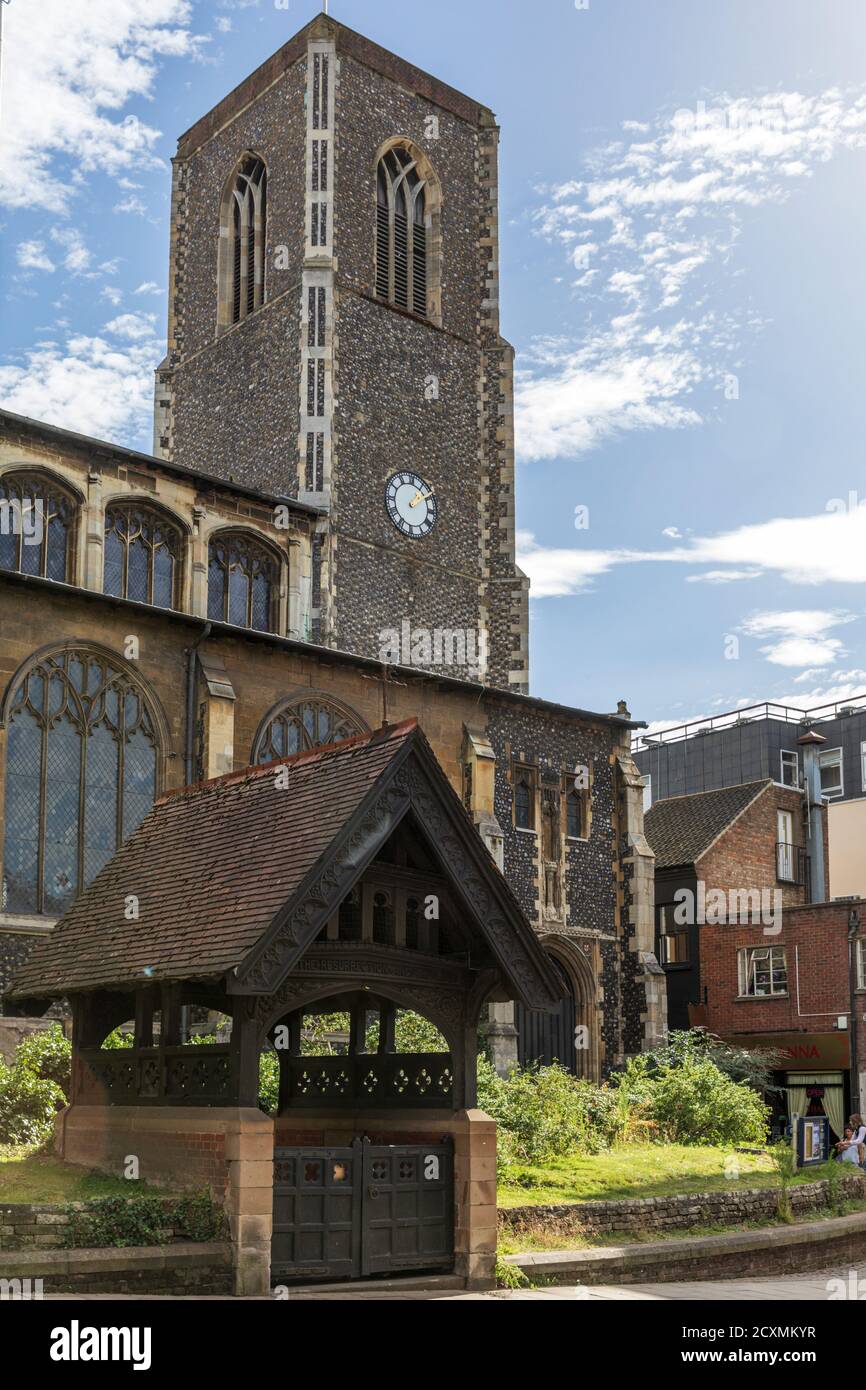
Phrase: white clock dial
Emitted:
{"points": [[411, 504]]}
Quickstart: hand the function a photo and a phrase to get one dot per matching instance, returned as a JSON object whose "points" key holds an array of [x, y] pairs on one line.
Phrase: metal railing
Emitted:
{"points": [[750, 714]]}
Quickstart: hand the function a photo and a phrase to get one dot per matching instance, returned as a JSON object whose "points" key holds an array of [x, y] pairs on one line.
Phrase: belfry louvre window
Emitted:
{"points": [[80, 777], [303, 723], [37, 520], [401, 231], [246, 230], [242, 583], [142, 556]]}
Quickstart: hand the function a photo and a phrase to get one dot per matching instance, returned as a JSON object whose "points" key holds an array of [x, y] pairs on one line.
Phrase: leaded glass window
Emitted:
{"points": [[242, 583], [80, 777], [142, 556], [305, 723], [36, 525]]}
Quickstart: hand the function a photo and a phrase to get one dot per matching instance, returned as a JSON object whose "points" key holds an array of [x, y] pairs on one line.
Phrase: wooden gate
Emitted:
{"points": [[362, 1210]]}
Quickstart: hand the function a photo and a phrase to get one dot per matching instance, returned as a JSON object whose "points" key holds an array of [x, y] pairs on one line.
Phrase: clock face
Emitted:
{"points": [[411, 504]]}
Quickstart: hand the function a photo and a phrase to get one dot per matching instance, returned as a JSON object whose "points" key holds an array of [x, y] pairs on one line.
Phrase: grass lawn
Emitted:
{"points": [[646, 1170], [29, 1176]]}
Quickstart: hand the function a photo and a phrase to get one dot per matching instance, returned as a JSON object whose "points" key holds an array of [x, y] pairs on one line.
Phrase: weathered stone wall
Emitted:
{"points": [[193, 1269], [640, 1215]]}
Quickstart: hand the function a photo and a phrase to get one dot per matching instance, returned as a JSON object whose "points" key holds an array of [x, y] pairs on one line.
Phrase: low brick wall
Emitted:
{"points": [[637, 1215], [192, 1268], [27, 1226]]}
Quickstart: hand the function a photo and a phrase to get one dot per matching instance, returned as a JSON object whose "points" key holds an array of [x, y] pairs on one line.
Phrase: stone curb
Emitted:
{"points": [[793, 1248], [42, 1264]]}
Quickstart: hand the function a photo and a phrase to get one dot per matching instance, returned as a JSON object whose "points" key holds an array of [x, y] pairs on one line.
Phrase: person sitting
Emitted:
{"points": [[857, 1125], [847, 1149]]}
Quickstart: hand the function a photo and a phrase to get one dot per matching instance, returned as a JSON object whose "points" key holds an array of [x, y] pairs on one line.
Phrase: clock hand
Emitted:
{"points": [[420, 497]]}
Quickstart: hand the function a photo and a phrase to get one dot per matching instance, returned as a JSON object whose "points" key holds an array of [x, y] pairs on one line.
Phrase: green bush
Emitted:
{"points": [[142, 1220], [197, 1216], [28, 1105], [46, 1055], [545, 1112], [269, 1081], [693, 1102]]}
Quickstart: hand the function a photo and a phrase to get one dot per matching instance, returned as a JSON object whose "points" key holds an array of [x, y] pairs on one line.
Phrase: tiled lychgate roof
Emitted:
{"points": [[681, 828], [235, 877], [210, 866]]}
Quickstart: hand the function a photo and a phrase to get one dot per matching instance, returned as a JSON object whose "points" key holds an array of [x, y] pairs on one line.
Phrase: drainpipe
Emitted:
{"points": [[191, 662], [853, 929], [811, 743]]}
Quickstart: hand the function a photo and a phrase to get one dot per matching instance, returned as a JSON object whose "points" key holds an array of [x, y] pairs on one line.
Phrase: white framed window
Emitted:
{"points": [[673, 939], [763, 971], [785, 858], [830, 767], [648, 787], [863, 764], [861, 963], [790, 768]]}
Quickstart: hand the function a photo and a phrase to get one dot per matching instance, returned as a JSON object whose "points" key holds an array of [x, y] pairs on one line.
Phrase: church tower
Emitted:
{"points": [[334, 337]]}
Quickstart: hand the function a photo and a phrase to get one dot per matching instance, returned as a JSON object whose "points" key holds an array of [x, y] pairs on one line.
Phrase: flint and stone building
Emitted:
{"points": [[319, 554]]}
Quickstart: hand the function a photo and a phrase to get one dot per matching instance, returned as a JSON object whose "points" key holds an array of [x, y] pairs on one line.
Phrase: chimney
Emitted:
{"points": [[811, 744]]}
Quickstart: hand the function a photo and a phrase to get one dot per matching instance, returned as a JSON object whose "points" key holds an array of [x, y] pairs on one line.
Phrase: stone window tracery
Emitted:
{"points": [[143, 554], [242, 582], [305, 722], [37, 519], [81, 774]]}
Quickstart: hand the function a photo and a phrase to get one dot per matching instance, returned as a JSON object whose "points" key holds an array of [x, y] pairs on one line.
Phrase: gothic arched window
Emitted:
{"points": [[242, 242], [142, 555], [37, 519], [81, 774], [242, 582], [575, 802], [304, 722], [402, 223], [524, 798]]}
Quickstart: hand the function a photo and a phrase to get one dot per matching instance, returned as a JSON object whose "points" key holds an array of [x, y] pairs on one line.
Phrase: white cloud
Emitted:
{"points": [[91, 385], [224, 25], [77, 258], [722, 576], [134, 327], [31, 255], [809, 550], [665, 208], [112, 294], [148, 287], [799, 637], [66, 81], [131, 204]]}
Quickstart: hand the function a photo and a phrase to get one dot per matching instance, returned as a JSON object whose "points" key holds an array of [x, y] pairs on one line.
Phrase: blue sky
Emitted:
{"points": [[683, 278]]}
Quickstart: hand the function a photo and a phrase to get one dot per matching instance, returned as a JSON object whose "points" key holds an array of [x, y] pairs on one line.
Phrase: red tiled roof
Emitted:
{"points": [[211, 866], [680, 829]]}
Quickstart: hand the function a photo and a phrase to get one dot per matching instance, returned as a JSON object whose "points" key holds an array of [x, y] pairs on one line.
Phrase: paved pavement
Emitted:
{"points": [[811, 1288]]}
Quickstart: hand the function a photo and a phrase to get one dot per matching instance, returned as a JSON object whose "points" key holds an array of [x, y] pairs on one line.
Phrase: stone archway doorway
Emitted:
{"points": [[570, 1035]]}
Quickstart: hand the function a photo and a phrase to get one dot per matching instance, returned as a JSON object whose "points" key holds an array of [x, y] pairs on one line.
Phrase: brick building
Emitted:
{"points": [[323, 540], [745, 951]]}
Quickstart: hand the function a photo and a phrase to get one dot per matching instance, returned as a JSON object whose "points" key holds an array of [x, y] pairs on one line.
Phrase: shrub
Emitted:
{"points": [[269, 1081], [28, 1105], [116, 1221], [545, 1112], [197, 1216], [46, 1055], [142, 1220], [694, 1102]]}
